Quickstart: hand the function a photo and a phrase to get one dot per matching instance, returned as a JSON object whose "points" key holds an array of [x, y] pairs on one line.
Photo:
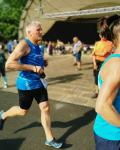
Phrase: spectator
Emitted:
{"points": [[2, 67], [77, 52], [102, 50], [10, 46]]}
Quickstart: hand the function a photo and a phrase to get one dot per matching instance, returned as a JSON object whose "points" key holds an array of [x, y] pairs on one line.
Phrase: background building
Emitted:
{"points": [[63, 19]]}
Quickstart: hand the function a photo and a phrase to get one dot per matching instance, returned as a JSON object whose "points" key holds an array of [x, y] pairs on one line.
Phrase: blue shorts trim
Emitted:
{"points": [[104, 144]]}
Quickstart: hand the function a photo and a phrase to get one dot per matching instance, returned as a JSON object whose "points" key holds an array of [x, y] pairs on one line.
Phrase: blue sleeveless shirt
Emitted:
{"points": [[101, 127], [28, 80]]}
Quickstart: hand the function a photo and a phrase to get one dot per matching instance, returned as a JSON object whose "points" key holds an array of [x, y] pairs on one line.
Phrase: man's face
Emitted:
{"points": [[36, 33]]}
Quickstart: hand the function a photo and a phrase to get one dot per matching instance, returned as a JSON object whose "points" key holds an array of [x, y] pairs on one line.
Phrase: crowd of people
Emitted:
{"points": [[76, 48], [27, 56]]}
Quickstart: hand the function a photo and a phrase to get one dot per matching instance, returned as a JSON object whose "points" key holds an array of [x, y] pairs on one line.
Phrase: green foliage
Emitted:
{"points": [[10, 12]]}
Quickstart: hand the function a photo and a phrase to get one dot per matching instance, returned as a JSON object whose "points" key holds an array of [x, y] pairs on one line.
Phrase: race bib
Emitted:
{"points": [[44, 82]]}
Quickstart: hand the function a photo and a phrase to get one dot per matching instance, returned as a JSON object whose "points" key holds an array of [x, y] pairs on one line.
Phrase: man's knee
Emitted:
{"points": [[45, 107]]}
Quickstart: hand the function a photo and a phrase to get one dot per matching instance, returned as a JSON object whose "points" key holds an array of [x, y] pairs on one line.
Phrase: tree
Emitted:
{"points": [[10, 12]]}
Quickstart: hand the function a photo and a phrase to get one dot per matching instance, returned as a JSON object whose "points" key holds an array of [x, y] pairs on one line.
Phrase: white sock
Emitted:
{"points": [[2, 115]]}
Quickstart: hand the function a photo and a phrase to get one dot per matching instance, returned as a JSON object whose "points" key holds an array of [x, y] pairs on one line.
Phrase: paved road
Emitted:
{"points": [[72, 109], [72, 123]]}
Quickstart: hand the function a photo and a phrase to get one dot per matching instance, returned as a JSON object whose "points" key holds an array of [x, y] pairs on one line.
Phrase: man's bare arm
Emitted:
{"points": [[21, 50], [94, 63], [12, 62], [108, 92], [80, 47]]}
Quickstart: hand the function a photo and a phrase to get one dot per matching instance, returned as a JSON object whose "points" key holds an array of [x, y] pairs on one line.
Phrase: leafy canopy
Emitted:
{"points": [[10, 12]]}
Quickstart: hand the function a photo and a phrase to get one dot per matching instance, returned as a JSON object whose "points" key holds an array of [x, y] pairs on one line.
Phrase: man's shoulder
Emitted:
{"points": [[23, 44], [114, 64], [114, 59], [109, 42], [78, 43], [112, 67]]}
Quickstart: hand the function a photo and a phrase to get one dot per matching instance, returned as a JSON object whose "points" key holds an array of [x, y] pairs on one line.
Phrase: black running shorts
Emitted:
{"points": [[26, 97]]}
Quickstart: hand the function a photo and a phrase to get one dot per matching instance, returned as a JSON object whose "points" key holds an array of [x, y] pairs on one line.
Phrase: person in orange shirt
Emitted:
{"points": [[102, 50]]}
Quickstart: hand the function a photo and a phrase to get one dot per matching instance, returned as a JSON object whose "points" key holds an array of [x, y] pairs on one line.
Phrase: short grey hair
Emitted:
{"points": [[32, 24]]}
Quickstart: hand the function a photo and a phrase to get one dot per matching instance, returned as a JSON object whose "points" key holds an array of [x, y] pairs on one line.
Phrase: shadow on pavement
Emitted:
{"points": [[87, 63], [11, 85], [13, 144], [73, 125], [64, 79], [32, 125], [87, 68]]}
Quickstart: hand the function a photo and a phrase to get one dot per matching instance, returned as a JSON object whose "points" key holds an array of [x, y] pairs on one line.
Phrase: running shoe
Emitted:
{"points": [[53, 143]]}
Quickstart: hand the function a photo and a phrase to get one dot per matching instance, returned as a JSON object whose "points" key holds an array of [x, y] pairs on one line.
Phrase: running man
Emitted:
{"points": [[27, 58], [107, 123]]}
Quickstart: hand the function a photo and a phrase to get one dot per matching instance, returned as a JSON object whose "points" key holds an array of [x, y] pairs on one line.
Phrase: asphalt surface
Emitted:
{"points": [[71, 123], [72, 108]]}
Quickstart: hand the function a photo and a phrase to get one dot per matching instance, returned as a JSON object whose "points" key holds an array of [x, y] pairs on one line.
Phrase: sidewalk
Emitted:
{"points": [[67, 84]]}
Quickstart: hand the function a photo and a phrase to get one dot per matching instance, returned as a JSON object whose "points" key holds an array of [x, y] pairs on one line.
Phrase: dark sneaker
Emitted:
{"points": [[1, 121], [95, 95], [53, 143]]}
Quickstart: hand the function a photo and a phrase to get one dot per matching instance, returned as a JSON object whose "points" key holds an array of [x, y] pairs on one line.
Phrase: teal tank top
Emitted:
{"points": [[101, 127], [28, 80]]}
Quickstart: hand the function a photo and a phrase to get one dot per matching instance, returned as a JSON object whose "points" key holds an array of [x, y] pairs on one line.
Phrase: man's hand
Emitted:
{"points": [[45, 62], [95, 66], [37, 69]]}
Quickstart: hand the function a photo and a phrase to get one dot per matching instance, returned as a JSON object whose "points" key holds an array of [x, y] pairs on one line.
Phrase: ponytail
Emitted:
{"points": [[106, 26], [103, 28]]}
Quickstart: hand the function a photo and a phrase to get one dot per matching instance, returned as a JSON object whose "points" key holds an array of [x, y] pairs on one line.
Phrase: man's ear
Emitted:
{"points": [[29, 32]]}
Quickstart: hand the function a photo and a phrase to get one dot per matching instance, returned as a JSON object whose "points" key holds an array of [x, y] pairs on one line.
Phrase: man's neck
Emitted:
{"points": [[103, 39], [33, 41]]}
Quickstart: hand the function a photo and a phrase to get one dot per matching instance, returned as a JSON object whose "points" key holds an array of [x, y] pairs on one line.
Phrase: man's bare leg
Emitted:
{"points": [[78, 65], [14, 111], [45, 119], [46, 122]]}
